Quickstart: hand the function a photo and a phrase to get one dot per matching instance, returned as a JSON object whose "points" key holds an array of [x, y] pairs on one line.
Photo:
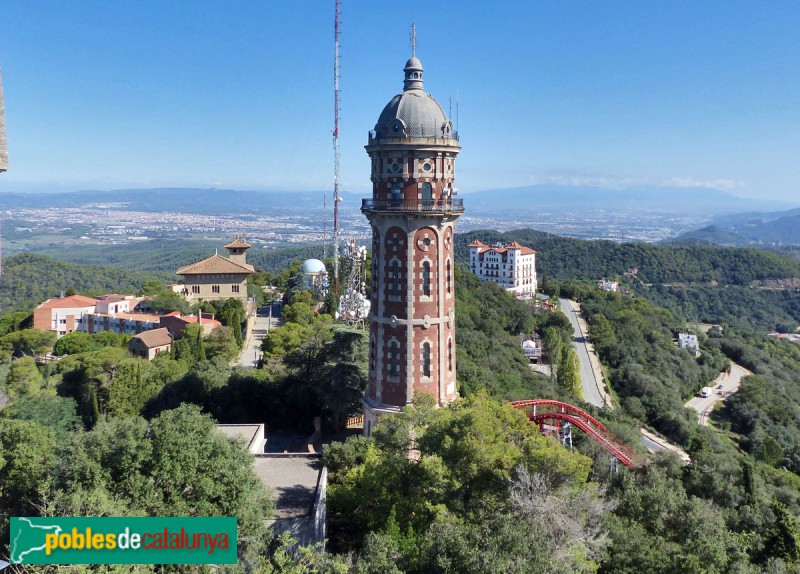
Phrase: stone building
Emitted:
{"points": [[218, 277], [150, 344], [511, 266], [412, 213]]}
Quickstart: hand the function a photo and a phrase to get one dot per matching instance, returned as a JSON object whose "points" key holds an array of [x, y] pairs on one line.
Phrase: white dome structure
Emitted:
{"points": [[313, 267]]}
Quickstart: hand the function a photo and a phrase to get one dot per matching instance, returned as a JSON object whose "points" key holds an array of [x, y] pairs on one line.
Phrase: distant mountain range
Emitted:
{"points": [[744, 229], [687, 200], [496, 202], [179, 200]]}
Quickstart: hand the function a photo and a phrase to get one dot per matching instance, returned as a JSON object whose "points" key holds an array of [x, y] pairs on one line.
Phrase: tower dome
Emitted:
{"points": [[413, 113]]}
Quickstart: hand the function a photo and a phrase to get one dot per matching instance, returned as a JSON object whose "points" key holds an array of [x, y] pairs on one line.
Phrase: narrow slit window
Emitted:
{"points": [[395, 279], [426, 359], [426, 278]]}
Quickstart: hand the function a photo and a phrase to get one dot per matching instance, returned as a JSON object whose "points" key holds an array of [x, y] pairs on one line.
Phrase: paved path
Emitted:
{"points": [[590, 374], [655, 443], [261, 326], [730, 384]]}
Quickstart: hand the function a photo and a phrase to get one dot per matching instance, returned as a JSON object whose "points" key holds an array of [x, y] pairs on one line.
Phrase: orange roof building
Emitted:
{"points": [[150, 344], [218, 277], [62, 314], [511, 266]]}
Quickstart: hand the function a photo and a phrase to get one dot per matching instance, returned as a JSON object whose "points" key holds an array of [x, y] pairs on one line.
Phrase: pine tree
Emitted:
{"points": [[95, 409], [199, 350]]}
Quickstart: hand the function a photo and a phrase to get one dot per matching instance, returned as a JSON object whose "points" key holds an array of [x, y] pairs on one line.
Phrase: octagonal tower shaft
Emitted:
{"points": [[412, 213]]}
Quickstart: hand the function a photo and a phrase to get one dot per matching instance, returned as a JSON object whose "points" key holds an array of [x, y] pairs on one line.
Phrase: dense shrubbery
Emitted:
{"points": [[127, 466], [766, 410], [739, 306], [471, 498]]}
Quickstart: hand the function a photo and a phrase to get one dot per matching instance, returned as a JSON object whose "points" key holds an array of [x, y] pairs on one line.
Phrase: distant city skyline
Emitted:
{"points": [[240, 94]]}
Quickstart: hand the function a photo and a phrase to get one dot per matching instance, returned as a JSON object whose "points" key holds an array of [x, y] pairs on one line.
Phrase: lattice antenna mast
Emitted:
{"points": [[324, 226], [336, 198]]}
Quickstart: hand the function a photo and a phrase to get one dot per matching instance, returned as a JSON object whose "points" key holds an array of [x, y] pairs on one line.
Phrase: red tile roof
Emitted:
{"points": [[68, 302], [215, 264], [193, 319], [511, 246], [155, 338], [237, 244]]}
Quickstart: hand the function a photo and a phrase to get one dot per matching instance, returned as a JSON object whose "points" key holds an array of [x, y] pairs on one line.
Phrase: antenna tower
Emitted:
{"points": [[336, 199], [354, 305], [324, 227]]}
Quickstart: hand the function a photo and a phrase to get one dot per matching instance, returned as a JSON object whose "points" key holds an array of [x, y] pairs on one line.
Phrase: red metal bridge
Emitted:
{"points": [[550, 415]]}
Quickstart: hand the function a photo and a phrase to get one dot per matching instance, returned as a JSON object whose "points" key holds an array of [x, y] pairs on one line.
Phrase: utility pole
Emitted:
{"points": [[336, 198]]}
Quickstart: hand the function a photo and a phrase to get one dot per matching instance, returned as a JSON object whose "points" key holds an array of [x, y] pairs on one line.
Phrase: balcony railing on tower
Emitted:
{"points": [[443, 204]]}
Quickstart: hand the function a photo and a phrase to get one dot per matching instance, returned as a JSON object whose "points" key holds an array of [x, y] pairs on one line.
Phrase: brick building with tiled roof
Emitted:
{"points": [[511, 266], [150, 344], [63, 314], [218, 277]]}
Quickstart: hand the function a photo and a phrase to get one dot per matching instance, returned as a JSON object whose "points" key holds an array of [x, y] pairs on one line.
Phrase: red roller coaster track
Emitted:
{"points": [[540, 411]]}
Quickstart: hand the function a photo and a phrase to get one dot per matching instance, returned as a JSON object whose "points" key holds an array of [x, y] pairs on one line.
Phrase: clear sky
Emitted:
{"points": [[239, 94]]}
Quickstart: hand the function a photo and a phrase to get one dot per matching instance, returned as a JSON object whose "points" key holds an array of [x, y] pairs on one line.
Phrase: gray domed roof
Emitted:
{"points": [[413, 112], [313, 267]]}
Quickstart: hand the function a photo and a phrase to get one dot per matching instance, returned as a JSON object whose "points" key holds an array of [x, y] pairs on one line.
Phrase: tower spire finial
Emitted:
{"points": [[413, 37]]}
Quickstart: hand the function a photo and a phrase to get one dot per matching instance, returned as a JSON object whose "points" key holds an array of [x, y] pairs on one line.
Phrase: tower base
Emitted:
{"points": [[373, 411]]}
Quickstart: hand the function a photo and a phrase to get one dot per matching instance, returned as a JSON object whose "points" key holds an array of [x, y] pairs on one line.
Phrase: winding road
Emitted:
{"points": [[725, 384], [591, 379]]}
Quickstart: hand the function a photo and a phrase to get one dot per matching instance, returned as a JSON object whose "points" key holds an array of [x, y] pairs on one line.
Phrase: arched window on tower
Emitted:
{"points": [[394, 358], [426, 359], [447, 275], [426, 278], [450, 355], [394, 288]]}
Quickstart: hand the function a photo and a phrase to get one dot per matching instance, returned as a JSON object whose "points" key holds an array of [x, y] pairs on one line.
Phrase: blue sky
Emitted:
{"points": [[235, 94]]}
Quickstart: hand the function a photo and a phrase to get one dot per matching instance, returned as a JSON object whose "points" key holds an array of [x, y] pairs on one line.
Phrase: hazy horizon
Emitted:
{"points": [[109, 96]]}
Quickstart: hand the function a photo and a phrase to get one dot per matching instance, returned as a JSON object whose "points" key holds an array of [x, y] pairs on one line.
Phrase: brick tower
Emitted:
{"points": [[412, 213]]}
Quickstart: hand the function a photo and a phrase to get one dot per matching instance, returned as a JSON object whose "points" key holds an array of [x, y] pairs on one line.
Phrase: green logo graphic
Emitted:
{"points": [[121, 540]]}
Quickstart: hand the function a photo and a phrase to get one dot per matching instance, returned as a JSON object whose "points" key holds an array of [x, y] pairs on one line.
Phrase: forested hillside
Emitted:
{"points": [[30, 279], [697, 283], [484, 491], [566, 258], [167, 255]]}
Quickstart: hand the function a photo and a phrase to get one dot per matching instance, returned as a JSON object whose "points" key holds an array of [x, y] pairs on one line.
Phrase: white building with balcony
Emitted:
{"points": [[511, 266]]}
